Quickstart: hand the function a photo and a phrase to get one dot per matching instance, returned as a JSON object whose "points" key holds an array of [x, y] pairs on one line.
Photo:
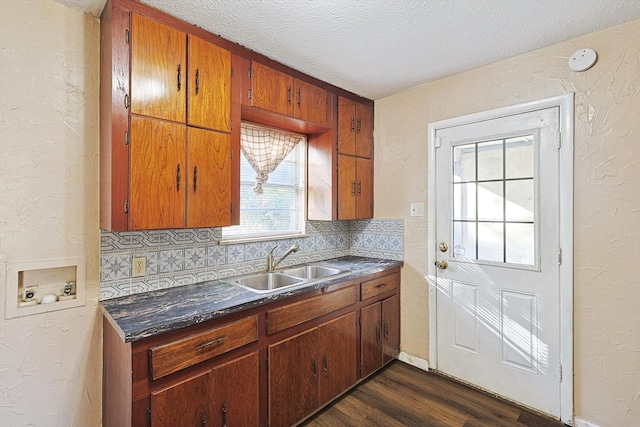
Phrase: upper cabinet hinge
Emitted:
{"points": [[559, 139], [232, 72], [437, 141], [250, 94], [231, 123], [126, 206], [149, 416], [126, 138], [231, 206], [231, 154], [266, 363], [127, 36], [249, 72]]}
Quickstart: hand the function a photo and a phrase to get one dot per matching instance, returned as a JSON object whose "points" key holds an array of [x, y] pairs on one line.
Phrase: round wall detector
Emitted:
{"points": [[583, 59]]}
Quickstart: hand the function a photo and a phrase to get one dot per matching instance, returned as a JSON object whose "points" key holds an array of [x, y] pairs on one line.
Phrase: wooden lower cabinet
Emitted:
{"points": [[271, 365], [226, 396], [380, 334], [293, 378], [309, 369]]}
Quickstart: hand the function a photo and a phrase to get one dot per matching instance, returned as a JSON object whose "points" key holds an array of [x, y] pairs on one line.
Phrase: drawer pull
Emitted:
{"points": [[381, 285], [207, 344]]}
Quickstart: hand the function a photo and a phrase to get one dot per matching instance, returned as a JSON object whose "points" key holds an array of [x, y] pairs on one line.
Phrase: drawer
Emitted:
{"points": [[377, 286], [299, 312], [168, 358]]}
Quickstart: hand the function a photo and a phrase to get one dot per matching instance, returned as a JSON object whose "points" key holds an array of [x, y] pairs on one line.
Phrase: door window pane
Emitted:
{"points": [[464, 201], [520, 159], [519, 200], [520, 244], [491, 241], [490, 160], [490, 201], [464, 163], [464, 239]]}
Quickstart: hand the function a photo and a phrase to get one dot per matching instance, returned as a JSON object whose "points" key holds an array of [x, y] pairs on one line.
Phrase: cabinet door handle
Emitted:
{"points": [[195, 179], [378, 333], [314, 369], [203, 420], [359, 187], [359, 125], [207, 344], [179, 76], [353, 124], [289, 95], [299, 98], [326, 363], [224, 415], [197, 80], [386, 331], [353, 188], [178, 176]]}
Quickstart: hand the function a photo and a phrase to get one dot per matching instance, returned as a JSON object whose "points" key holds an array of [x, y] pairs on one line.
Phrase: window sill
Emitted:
{"points": [[233, 241]]}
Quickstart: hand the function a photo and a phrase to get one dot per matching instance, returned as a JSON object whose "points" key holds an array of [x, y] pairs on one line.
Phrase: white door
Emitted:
{"points": [[497, 301]]}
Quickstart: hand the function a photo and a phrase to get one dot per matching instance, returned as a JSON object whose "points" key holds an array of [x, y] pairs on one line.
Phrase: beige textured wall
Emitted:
{"points": [[607, 199], [50, 364]]}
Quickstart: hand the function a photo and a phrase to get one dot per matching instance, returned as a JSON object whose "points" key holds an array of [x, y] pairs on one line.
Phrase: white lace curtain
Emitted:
{"points": [[265, 148]]}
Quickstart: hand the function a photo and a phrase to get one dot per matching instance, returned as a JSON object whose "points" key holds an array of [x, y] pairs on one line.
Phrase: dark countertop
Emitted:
{"points": [[147, 314]]}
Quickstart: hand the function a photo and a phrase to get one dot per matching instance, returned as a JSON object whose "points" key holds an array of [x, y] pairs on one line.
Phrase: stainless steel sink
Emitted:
{"points": [[268, 281], [288, 277], [310, 271]]}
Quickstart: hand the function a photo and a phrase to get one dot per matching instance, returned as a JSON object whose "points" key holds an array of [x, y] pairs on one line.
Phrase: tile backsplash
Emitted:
{"points": [[182, 256]]}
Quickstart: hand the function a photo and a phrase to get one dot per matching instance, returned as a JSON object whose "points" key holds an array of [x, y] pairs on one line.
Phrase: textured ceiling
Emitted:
{"points": [[376, 48]]}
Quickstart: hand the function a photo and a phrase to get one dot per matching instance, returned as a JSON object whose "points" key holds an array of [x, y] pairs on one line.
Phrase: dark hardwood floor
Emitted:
{"points": [[402, 395]]}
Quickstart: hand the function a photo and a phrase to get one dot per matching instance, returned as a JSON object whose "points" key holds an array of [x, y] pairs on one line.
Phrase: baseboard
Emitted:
{"points": [[582, 423], [414, 361]]}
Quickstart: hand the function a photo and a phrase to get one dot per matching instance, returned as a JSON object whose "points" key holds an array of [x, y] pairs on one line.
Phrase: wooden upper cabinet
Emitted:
{"points": [[209, 178], [355, 187], [310, 102], [271, 89], [157, 174], [364, 130], [209, 69], [279, 92], [158, 70], [364, 188], [355, 128]]}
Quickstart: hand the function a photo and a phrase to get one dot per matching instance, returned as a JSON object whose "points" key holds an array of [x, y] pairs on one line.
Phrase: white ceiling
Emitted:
{"points": [[376, 48]]}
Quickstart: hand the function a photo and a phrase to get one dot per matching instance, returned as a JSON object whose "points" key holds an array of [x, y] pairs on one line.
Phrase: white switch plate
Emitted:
{"points": [[417, 209], [139, 267]]}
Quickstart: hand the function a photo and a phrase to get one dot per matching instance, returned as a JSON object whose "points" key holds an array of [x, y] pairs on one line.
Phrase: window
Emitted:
{"points": [[280, 209]]}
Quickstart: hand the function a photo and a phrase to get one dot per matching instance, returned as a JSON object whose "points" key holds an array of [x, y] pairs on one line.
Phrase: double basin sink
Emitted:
{"points": [[288, 277]]}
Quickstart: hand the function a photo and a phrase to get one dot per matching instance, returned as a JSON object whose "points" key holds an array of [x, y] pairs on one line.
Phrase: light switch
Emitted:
{"points": [[417, 209]]}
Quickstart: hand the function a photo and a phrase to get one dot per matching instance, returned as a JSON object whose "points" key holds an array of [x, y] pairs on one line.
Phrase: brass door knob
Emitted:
{"points": [[442, 265], [443, 247]]}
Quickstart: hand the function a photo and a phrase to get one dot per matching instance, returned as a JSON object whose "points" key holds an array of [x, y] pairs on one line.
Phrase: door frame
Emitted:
{"points": [[566, 104]]}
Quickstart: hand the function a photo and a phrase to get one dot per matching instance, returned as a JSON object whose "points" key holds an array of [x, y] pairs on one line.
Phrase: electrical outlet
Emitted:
{"points": [[417, 209], [139, 268]]}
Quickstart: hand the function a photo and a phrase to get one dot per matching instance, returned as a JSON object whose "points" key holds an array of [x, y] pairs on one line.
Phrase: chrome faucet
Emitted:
{"points": [[271, 264]]}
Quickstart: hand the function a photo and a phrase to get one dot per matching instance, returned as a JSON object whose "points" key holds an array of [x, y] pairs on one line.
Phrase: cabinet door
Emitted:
{"points": [[271, 89], [346, 126], [209, 85], [364, 130], [187, 403], [236, 393], [370, 339], [364, 188], [310, 102], [390, 328], [157, 177], [346, 187], [209, 178], [337, 356], [293, 379], [158, 70]]}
